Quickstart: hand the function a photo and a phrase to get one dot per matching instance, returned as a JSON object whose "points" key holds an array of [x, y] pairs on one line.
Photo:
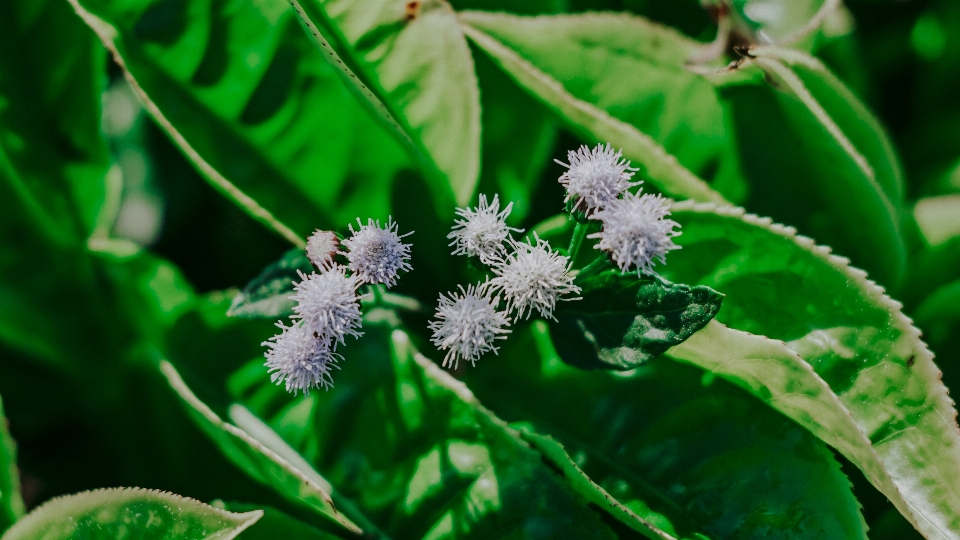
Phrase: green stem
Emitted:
{"points": [[579, 232]]}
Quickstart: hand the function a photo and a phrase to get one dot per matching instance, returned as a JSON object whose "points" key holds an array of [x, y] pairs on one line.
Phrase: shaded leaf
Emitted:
{"points": [[268, 294], [254, 106], [413, 65], [129, 513], [52, 154], [866, 358], [665, 440], [415, 451], [637, 101], [276, 525], [624, 321], [11, 503], [256, 458]]}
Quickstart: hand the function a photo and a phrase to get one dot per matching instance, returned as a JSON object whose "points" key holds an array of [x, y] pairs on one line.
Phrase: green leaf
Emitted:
{"points": [[939, 318], [415, 66], [415, 451], [811, 144], [294, 480], [275, 525], [878, 394], [11, 503], [641, 102], [254, 106], [690, 454], [109, 514], [52, 154], [624, 321], [268, 294]]}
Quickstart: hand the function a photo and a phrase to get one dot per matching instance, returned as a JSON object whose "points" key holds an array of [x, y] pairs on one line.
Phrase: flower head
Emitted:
{"points": [[595, 177], [482, 231], [327, 304], [533, 277], [376, 254], [636, 231], [467, 326], [299, 359], [321, 247]]}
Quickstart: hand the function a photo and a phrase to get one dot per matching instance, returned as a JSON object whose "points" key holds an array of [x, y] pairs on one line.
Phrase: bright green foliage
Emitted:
{"points": [[876, 394], [624, 321], [664, 440], [129, 514], [253, 104], [416, 64], [415, 451], [11, 504]]}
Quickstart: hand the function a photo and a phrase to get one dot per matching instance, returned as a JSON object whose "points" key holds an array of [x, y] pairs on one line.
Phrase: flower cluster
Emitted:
{"points": [[595, 177], [528, 277], [328, 304]]}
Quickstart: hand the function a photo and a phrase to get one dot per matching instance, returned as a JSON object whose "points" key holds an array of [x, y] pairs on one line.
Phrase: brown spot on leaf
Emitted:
{"points": [[411, 10]]}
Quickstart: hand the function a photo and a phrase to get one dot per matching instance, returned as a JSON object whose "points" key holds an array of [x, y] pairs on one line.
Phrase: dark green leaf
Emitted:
{"points": [[253, 104], [276, 525], [11, 504], [292, 478], [624, 321], [416, 452], [578, 65], [52, 154], [268, 295], [863, 381], [412, 63], [669, 440], [109, 514]]}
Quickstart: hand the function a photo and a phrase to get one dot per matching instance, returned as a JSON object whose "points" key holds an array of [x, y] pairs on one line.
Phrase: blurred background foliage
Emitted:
{"points": [[84, 311]]}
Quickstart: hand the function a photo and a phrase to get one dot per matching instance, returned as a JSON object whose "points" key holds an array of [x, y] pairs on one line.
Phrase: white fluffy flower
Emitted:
{"points": [[482, 231], [595, 177], [321, 247], [467, 326], [328, 305], [636, 231], [533, 277], [376, 254], [299, 359]]}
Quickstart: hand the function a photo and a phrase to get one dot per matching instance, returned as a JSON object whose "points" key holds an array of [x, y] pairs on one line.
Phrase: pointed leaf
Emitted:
{"points": [[255, 107], [624, 321], [854, 338], [265, 465], [11, 503], [268, 294], [412, 62], [575, 64], [416, 452], [690, 454], [108, 514]]}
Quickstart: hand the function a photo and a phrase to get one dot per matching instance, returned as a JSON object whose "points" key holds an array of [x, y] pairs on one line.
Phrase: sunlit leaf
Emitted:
{"points": [[108, 514]]}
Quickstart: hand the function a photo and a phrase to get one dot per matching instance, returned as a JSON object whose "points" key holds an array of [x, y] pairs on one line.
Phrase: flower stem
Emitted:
{"points": [[579, 232]]}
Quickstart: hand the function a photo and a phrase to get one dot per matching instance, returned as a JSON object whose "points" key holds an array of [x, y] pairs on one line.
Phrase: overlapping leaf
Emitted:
{"points": [[412, 63], [255, 107], [866, 384], [416, 452], [619, 79], [686, 454], [108, 514]]}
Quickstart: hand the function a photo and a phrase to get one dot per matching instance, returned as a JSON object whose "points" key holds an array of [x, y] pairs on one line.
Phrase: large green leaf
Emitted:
{"points": [[623, 321], [415, 451], [687, 453], [11, 504], [804, 144], [412, 61], [252, 103], [275, 525], [616, 78], [51, 152], [293, 479], [129, 513], [867, 384]]}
